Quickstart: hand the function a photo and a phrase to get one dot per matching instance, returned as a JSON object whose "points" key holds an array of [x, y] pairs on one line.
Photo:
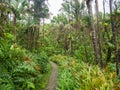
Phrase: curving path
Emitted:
{"points": [[53, 77]]}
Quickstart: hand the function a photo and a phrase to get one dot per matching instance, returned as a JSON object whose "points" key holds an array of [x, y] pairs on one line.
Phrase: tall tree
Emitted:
{"points": [[113, 35], [99, 33], [40, 10], [104, 8], [17, 8], [94, 39]]}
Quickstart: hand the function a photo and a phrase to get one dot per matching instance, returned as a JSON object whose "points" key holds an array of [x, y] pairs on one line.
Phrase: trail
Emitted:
{"points": [[53, 77]]}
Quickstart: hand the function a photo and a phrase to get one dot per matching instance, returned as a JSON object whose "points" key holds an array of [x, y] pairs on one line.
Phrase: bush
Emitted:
{"points": [[25, 75], [80, 54], [59, 59], [42, 60], [20, 69], [6, 81]]}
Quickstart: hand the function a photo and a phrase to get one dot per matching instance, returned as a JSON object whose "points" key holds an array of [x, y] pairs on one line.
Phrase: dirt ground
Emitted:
{"points": [[52, 84]]}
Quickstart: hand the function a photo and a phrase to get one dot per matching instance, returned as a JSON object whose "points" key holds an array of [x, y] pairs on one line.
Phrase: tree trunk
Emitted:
{"points": [[43, 28], [117, 62], [104, 8], [113, 35], [14, 24], [33, 38], [1, 32], [85, 43], [70, 28], [112, 24], [37, 36], [99, 35], [109, 50], [94, 39], [65, 41]]}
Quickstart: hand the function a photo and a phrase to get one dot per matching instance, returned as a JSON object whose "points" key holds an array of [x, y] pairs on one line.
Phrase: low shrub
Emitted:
{"points": [[20, 69], [26, 76], [42, 60], [80, 54], [59, 59]]}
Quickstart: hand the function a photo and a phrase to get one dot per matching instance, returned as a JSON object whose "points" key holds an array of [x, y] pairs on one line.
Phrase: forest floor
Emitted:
{"points": [[52, 84]]}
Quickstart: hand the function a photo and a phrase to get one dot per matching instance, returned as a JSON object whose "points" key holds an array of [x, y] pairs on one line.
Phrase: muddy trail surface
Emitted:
{"points": [[52, 84]]}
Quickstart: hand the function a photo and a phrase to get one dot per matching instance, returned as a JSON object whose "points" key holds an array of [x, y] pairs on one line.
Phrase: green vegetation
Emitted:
{"points": [[23, 66], [19, 68], [45, 78], [74, 75], [84, 45]]}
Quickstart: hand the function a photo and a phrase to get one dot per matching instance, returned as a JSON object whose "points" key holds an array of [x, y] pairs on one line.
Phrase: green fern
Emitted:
{"points": [[6, 82]]}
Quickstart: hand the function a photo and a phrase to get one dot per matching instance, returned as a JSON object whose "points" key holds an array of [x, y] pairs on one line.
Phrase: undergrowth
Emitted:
{"points": [[75, 75], [20, 69]]}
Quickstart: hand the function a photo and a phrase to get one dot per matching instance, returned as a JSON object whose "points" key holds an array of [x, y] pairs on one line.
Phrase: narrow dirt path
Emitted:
{"points": [[53, 77]]}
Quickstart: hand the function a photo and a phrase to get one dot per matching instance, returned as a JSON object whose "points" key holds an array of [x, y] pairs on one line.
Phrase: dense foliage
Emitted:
{"points": [[19, 68], [84, 45], [74, 75], [89, 37]]}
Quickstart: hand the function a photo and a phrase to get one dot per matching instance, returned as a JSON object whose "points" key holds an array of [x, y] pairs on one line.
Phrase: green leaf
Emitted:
{"points": [[110, 45], [30, 85]]}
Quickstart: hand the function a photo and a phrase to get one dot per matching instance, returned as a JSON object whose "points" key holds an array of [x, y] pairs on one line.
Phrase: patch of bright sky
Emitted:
{"points": [[54, 6]]}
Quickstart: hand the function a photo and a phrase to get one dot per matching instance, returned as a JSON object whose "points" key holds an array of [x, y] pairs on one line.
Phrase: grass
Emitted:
{"points": [[45, 78], [74, 75]]}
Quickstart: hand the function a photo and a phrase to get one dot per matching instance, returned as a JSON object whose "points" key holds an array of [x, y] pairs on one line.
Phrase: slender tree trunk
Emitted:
{"points": [[70, 28], [112, 25], [104, 8], [94, 39], [65, 41], [34, 39], [37, 38], [1, 32], [104, 17], [117, 62], [99, 33], [14, 24], [43, 28], [31, 39], [28, 39], [114, 36], [85, 45], [105, 28]]}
